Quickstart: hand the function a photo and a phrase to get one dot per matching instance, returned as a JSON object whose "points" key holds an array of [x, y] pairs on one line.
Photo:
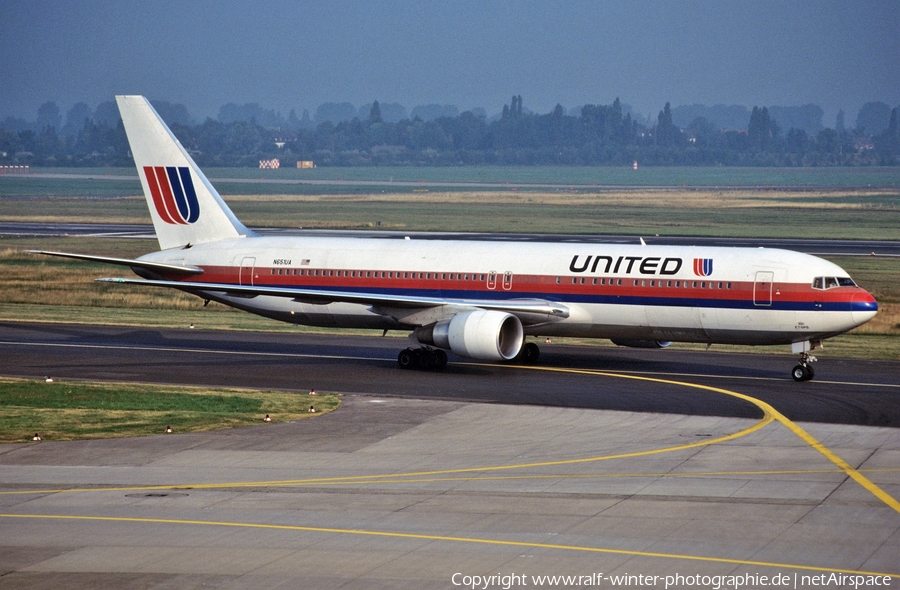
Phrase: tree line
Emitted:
{"points": [[595, 134]]}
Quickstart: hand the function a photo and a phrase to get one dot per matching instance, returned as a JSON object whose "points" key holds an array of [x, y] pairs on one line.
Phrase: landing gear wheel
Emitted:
{"points": [[407, 359], [426, 358], [802, 372], [422, 358], [530, 353]]}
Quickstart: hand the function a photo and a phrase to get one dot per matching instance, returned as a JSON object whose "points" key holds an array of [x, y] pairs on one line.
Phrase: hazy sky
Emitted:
{"points": [[298, 54]]}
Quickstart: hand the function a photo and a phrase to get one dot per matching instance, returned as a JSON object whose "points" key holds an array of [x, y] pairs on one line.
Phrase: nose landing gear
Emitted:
{"points": [[804, 371]]}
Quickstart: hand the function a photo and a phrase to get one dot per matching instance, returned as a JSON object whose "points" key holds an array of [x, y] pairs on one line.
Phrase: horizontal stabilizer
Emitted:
{"points": [[155, 267]]}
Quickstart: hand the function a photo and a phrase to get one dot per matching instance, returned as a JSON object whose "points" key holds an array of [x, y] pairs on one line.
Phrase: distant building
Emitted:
{"points": [[14, 169], [863, 144], [305, 164], [270, 164]]}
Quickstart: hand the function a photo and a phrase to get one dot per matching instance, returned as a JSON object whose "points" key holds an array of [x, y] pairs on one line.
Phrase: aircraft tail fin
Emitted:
{"points": [[184, 206]]}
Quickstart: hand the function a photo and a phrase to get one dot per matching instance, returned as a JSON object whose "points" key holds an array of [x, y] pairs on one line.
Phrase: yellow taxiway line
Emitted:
{"points": [[287, 527]]}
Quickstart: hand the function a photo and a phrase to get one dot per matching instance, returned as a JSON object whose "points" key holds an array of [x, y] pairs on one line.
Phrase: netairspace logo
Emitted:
{"points": [[718, 582]]}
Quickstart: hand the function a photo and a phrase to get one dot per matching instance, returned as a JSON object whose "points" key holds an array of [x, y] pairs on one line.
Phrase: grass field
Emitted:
{"points": [[76, 410], [848, 214]]}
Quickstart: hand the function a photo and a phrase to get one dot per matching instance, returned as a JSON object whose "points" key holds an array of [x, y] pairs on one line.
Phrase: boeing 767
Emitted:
{"points": [[478, 299]]}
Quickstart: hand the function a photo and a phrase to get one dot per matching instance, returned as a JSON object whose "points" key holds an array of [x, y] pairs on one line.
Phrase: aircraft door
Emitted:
{"points": [[507, 280], [492, 280], [247, 270], [762, 288]]}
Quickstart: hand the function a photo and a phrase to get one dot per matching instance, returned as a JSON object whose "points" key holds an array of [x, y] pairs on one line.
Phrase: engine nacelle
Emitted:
{"points": [[482, 334], [640, 343]]}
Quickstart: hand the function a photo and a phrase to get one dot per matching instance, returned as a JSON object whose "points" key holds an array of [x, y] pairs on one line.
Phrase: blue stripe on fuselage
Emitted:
{"points": [[707, 303]]}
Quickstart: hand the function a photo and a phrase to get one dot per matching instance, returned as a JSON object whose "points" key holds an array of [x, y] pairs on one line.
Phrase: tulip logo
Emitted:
{"points": [[703, 267], [173, 194]]}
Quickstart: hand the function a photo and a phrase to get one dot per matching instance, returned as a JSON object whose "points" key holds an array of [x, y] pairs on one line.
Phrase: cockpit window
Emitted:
{"points": [[823, 283]]}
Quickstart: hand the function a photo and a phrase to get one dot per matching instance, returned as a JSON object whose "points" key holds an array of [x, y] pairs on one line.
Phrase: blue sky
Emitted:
{"points": [[298, 54]]}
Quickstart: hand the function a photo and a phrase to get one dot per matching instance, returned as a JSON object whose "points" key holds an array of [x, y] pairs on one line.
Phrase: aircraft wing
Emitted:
{"points": [[154, 267], [541, 307]]}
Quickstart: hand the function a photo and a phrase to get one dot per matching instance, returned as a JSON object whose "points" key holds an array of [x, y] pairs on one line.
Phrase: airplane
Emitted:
{"points": [[476, 298]]}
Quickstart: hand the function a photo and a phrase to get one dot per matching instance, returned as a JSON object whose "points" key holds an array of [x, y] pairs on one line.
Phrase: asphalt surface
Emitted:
{"points": [[411, 484], [844, 391]]}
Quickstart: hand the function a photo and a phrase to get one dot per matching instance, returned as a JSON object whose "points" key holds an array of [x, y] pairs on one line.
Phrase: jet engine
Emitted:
{"points": [[640, 343], [484, 335]]}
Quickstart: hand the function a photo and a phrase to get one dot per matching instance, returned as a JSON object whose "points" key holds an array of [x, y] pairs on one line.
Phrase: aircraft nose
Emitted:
{"points": [[863, 307]]}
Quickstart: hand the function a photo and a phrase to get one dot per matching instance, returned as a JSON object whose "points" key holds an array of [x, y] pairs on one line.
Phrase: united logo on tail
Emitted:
{"points": [[173, 193], [703, 267]]}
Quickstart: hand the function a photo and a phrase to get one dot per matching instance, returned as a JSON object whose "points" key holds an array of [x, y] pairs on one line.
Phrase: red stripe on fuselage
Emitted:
{"points": [[532, 285]]}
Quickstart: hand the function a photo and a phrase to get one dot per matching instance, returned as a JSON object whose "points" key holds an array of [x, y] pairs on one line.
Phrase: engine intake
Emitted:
{"points": [[485, 335]]}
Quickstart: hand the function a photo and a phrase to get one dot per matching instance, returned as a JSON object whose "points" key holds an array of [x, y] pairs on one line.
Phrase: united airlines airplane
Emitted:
{"points": [[478, 299]]}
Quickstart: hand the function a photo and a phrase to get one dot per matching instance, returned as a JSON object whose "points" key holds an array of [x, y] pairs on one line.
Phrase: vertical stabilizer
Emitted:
{"points": [[184, 206]]}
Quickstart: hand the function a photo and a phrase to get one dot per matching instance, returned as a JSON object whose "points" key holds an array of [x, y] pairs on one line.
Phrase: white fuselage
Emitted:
{"points": [[690, 294]]}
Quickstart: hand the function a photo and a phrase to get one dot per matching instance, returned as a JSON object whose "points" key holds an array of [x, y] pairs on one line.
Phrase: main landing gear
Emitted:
{"points": [[436, 359], [804, 371], [422, 358], [529, 354]]}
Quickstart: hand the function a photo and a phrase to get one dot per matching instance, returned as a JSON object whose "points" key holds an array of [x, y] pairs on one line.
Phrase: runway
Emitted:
{"points": [[598, 463]]}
